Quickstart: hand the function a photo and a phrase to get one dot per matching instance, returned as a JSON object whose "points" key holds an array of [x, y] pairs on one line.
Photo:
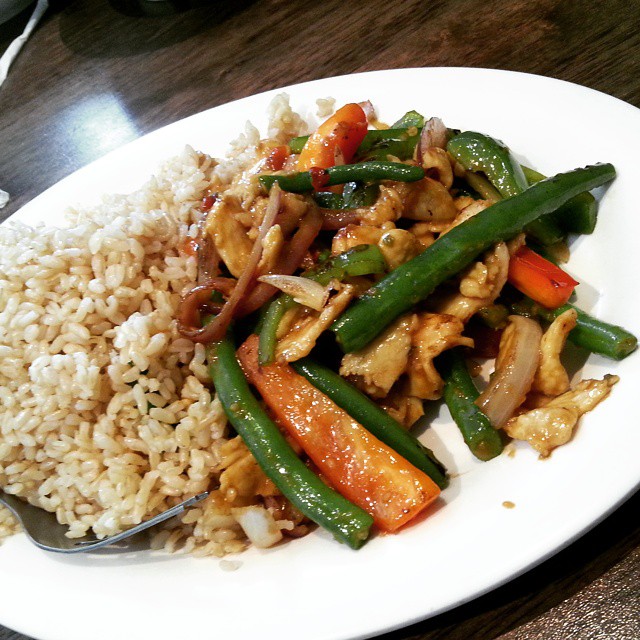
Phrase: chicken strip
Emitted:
{"points": [[480, 285], [406, 410], [387, 208], [302, 337], [550, 426], [229, 236], [242, 479], [375, 368], [435, 333], [272, 244], [355, 234], [437, 165], [399, 246], [551, 377], [427, 200]]}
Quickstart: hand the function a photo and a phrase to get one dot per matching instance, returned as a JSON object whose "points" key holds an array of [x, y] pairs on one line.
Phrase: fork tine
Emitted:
{"points": [[46, 533]]}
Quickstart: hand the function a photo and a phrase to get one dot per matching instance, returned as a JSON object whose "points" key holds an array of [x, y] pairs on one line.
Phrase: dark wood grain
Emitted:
{"points": [[93, 78]]}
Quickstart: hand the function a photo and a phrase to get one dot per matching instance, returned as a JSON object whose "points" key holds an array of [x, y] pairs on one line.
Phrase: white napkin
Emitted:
{"points": [[14, 48], [10, 55]]}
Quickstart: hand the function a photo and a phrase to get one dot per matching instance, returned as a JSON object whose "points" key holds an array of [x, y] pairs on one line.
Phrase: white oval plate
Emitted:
{"points": [[471, 543]]}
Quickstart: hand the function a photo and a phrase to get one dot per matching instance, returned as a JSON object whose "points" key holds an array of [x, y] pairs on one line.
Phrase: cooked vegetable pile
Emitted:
{"points": [[372, 272]]}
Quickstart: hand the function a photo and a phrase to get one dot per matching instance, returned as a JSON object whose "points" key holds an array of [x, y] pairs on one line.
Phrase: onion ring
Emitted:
{"points": [[192, 302]]}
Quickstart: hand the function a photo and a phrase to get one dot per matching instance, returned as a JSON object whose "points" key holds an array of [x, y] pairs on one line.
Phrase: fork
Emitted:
{"points": [[45, 532]]}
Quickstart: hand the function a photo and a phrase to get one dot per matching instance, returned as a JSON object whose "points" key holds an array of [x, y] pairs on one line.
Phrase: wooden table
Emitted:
{"points": [[92, 78]]}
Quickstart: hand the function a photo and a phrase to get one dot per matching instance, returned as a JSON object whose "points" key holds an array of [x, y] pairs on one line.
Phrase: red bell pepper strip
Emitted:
{"points": [[336, 140], [541, 280], [358, 465], [277, 157]]}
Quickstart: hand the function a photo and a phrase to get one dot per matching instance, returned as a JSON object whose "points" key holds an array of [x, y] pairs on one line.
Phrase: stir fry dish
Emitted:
{"points": [[374, 264], [270, 328]]}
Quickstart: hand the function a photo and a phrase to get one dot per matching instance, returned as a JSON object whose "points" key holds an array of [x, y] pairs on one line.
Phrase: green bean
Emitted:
{"points": [[373, 137], [594, 335], [409, 119], [416, 279], [481, 153], [353, 196], [297, 144], [360, 172], [482, 186], [402, 148], [578, 215], [268, 331], [532, 176], [545, 231], [372, 418], [361, 260], [400, 132], [460, 394], [493, 316], [379, 137], [478, 152], [347, 522]]}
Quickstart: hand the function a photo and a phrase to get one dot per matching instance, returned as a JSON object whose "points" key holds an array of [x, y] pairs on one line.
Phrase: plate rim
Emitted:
{"points": [[309, 85]]}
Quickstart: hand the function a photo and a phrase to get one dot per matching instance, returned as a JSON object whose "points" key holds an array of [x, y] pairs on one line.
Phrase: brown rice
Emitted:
{"points": [[106, 415]]}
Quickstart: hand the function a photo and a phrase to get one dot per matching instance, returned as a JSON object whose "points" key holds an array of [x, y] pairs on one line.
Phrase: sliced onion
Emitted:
{"points": [[516, 366], [434, 134], [303, 290], [208, 256], [334, 219], [288, 262], [199, 297], [259, 525], [369, 110], [216, 329]]}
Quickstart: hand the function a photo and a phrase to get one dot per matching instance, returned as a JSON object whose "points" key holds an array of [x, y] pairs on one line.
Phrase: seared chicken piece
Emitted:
{"points": [[462, 202], [422, 231], [272, 244], [354, 234], [406, 410], [229, 236], [516, 243], [375, 368], [301, 338], [292, 206], [437, 164], [480, 285], [387, 208], [471, 208], [551, 378], [435, 333], [552, 425], [399, 246], [429, 201]]}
